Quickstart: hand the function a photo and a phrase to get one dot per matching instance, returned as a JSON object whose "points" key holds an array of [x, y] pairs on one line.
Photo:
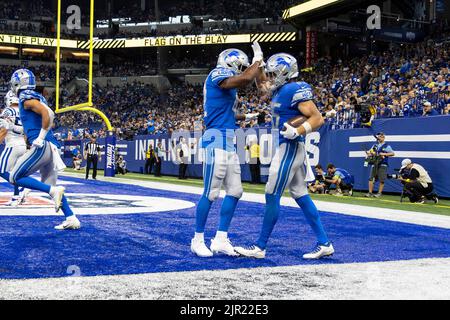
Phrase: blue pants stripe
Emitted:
{"points": [[284, 170], [4, 159], [35, 157], [209, 171], [281, 166], [291, 160]]}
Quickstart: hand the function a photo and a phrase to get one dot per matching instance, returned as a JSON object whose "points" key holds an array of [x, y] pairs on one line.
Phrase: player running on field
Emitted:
{"points": [[43, 156], [221, 163], [15, 145], [290, 167]]}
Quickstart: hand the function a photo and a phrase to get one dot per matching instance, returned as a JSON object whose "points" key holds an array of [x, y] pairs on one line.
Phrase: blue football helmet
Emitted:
{"points": [[233, 59], [280, 68], [22, 79], [11, 98]]}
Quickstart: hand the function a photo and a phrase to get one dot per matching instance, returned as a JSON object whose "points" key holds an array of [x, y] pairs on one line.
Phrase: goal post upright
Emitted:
{"points": [[110, 140]]}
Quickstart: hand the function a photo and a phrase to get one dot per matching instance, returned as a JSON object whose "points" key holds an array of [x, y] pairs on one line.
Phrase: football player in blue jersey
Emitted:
{"points": [[220, 162], [290, 167], [37, 120]]}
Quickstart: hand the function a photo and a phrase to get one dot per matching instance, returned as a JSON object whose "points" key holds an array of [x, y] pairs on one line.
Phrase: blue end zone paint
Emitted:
{"points": [[159, 242]]}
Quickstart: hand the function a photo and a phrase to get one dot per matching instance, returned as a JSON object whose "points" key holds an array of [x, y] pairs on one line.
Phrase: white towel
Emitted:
{"points": [[58, 163]]}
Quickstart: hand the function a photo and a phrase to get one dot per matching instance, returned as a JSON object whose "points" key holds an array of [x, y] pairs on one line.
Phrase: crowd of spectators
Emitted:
{"points": [[29, 17], [217, 10], [23, 10], [406, 81]]}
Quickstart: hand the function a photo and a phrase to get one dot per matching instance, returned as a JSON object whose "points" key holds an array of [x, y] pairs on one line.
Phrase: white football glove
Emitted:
{"points": [[38, 143], [251, 116], [290, 133], [258, 54], [8, 125]]}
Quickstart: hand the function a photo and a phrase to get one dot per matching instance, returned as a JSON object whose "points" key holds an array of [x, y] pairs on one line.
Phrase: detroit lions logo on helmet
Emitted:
{"points": [[281, 67], [233, 59], [22, 79]]}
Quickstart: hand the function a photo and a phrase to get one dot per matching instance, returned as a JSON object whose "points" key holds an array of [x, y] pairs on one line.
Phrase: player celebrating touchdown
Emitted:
{"points": [[221, 163], [43, 156], [290, 167]]}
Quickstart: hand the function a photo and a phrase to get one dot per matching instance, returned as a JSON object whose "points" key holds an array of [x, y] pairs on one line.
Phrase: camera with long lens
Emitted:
{"points": [[400, 174]]}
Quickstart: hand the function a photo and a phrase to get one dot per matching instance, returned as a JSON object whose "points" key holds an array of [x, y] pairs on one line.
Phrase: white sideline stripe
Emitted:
{"points": [[419, 218], [404, 138], [408, 154]]}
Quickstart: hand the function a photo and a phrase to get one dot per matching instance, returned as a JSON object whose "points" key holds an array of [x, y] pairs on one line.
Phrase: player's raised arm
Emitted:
{"points": [[47, 116], [253, 72], [242, 80]]}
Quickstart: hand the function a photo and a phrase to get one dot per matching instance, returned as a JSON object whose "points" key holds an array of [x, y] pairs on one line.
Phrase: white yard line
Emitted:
{"points": [[419, 218], [411, 279]]}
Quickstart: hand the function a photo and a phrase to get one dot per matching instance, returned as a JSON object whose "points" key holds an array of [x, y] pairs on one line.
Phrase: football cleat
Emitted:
{"points": [[57, 195], [71, 223], [12, 203], [222, 246], [199, 248], [251, 252], [23, 196], [320, 251]]}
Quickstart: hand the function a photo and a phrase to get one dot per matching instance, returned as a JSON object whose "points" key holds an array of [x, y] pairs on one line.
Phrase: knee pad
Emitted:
{"points": [[235, 192], [298, 194], [213, 194]]}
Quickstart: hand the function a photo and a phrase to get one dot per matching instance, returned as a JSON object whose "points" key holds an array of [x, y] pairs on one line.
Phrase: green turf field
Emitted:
{"points": [[387, 201]]}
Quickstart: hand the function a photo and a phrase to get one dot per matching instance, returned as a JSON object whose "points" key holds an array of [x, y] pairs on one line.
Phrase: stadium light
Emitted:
{"points": [[307, 7], [33, 50], [8, 49], [81, 54]]}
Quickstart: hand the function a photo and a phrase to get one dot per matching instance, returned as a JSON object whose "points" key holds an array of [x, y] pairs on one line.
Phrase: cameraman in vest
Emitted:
{"points": [[380, 152], [417, 182]]}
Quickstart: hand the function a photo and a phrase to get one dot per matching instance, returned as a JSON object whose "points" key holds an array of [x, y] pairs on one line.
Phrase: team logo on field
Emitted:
{"points": [[93, 204]]}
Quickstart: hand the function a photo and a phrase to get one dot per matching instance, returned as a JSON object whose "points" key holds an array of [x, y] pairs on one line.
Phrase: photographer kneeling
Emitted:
{"points": [[341, 179], [417, 182]]}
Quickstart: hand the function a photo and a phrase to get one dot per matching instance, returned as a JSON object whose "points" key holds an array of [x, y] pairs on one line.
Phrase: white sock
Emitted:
{"points": [[52, 191], [199, 236], [221, 235]]}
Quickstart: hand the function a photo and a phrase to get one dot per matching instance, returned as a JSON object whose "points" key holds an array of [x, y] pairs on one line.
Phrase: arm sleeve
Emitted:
{"points": [[302, 94], [389, 149], [219, 75]]}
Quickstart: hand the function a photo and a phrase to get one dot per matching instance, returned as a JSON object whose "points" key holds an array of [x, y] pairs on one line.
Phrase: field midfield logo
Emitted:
{"points": [[374, 20]]}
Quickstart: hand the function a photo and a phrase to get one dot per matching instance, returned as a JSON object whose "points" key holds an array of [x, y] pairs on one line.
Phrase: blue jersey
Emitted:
{"points": [[31, 121], [336, 88], [344, 175], [285, 102], [219, 107]]}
